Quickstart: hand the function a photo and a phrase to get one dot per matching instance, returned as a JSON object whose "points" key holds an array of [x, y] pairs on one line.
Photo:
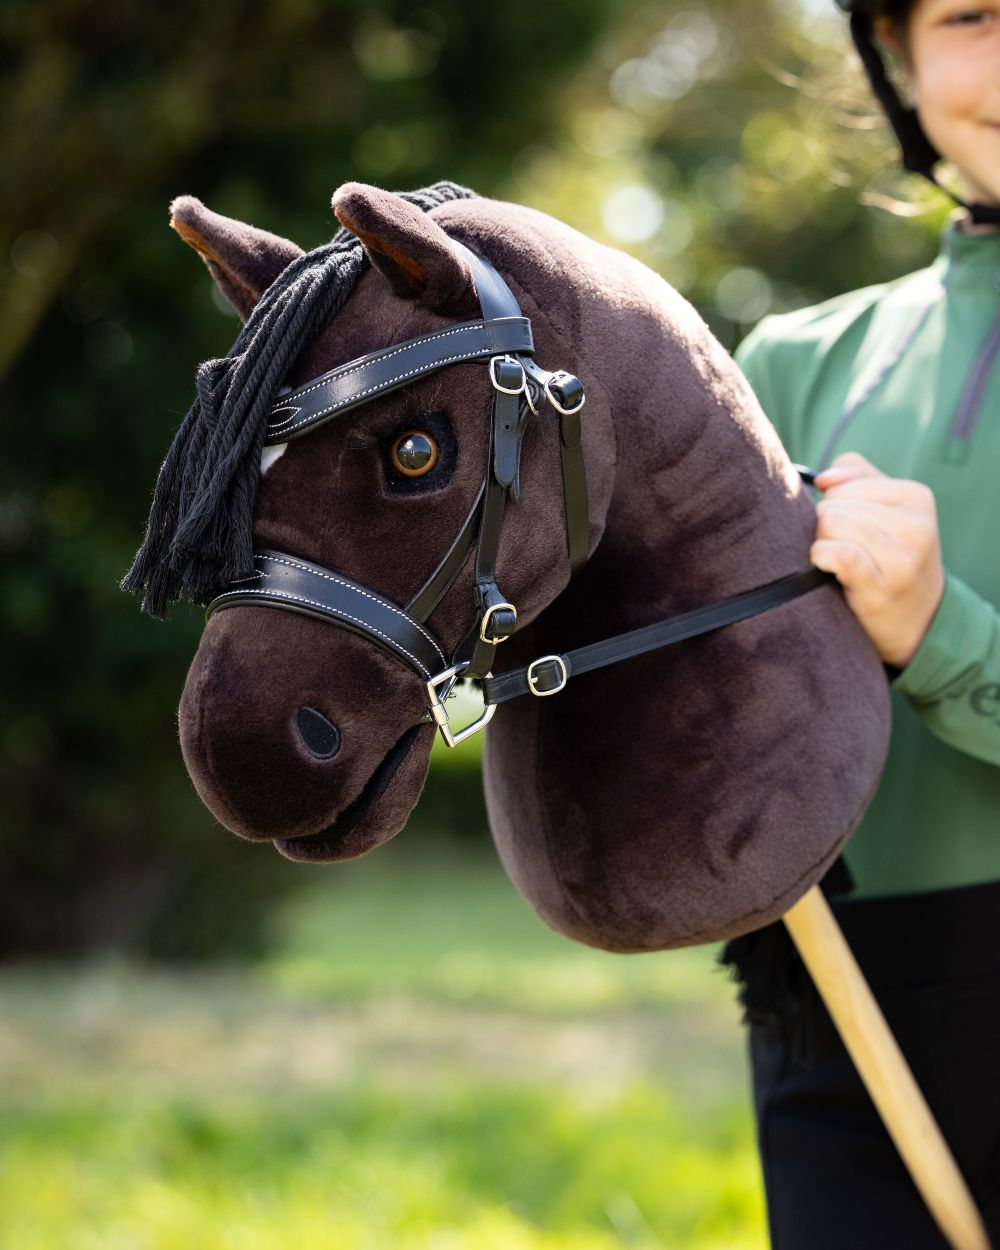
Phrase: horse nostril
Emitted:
{"points": [[322, 738]]}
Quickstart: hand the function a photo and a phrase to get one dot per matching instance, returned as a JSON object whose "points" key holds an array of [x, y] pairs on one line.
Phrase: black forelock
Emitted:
{"points": [[199, 536]]}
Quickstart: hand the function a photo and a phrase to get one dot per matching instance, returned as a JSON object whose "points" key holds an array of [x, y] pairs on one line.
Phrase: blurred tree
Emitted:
{"points": [[111, 110], [734, 147], [675, 130]]}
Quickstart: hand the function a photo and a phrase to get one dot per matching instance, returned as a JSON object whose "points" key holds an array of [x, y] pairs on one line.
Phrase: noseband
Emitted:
{"points": [[521, 389]]}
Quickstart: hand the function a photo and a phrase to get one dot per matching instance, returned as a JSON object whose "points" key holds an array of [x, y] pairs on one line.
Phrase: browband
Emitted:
{"points": [[360, 381], [501, 331]]}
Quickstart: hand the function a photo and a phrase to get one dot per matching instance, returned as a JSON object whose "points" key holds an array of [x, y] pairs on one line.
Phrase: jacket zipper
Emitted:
{"points": [[963, 424]]}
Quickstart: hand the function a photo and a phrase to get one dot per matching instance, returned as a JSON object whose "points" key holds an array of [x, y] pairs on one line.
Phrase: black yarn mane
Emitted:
{"points": [[199, 534]]}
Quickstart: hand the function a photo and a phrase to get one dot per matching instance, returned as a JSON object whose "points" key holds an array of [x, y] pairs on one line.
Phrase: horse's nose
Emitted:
{"points": [[321, 737]]}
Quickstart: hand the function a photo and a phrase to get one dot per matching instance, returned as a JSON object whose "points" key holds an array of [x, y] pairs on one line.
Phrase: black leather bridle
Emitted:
{"points": [[502, 339]]}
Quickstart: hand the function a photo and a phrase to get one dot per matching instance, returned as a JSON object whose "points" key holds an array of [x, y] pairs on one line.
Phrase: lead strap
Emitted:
{"points": [[549, 674]]}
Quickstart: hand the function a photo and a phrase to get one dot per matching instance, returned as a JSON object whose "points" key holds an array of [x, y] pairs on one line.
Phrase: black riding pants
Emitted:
{"points": [[833, 1178]]}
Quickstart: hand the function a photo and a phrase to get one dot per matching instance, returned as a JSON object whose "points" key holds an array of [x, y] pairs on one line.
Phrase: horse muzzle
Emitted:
{"points": [[281, 740]]}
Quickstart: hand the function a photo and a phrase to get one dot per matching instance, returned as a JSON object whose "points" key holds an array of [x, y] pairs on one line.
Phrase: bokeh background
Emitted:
{"points": [[202, 1044]]}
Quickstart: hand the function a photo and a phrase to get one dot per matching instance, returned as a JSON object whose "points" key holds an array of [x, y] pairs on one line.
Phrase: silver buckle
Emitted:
{"points": [[563, 676], [566, 412], [439, 712], [506, 390], [497, 607]]}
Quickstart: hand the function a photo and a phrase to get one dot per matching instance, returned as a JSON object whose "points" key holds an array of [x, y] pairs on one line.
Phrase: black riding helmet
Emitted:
{"points": [[919, 154]]}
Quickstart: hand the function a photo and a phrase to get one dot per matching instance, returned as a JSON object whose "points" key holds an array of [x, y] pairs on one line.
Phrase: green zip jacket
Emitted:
{"points": [[906, 374]]}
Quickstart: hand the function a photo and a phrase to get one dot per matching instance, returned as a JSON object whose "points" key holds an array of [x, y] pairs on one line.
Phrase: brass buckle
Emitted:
{"points": [[507, 390], [439, 713], [497, 607], [532, 678]]}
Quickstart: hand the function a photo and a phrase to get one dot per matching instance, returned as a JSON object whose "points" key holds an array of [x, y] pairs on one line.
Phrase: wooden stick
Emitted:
{"points": [[884, 1070]]}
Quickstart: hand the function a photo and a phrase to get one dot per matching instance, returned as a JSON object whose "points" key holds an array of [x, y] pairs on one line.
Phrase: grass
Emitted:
{"points": [[456, 929], [421, 1065]]}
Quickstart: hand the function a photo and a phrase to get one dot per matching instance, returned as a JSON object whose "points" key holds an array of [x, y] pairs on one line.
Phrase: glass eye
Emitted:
{"points": [[414, 453]]}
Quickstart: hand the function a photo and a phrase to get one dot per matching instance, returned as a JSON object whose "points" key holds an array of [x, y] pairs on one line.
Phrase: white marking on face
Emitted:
{"points": [[269, 455]]}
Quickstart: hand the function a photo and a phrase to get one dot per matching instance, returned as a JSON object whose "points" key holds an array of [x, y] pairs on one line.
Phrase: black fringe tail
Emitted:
{"points": [[775, 988]]}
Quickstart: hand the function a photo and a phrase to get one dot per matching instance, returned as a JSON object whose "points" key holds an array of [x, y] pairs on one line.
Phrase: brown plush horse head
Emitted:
{"points": [[680, 796]]}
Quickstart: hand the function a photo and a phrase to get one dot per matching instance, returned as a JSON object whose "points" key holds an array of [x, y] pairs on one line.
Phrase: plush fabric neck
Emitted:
{"points": [[682, 796]]}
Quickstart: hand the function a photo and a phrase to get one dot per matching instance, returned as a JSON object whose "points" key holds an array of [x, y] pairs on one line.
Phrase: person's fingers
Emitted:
{"points": [[868, 521], [852, 565], [889, 490], [882, 531], [848, 465]]}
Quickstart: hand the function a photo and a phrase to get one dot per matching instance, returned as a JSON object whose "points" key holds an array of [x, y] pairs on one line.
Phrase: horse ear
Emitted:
{"points": [[405, 244], [243, 260]]}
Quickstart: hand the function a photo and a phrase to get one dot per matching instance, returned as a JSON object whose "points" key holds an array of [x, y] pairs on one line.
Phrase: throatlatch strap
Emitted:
{"points": [[551, 673], [576, 509], [284, 581], [563, 393]]}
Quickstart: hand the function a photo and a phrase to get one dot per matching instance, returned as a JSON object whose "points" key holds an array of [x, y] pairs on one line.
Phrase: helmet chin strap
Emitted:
{"points": [[919, 154]]}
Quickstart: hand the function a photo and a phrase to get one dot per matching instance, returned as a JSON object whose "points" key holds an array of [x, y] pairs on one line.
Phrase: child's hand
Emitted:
{"points": [[879, 536]]}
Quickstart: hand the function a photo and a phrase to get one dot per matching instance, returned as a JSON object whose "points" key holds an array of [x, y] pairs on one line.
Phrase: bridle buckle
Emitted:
{"points": [[532, 677], [561, 389], [497, 607], [438, 689], [505, 385]]}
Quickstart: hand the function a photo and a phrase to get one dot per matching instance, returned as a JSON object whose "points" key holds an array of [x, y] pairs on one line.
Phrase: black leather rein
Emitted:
{"points": [[522, 390]]}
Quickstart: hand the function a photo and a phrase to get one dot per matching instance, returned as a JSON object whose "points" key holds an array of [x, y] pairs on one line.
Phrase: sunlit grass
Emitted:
{"points": [[460, 931], [464, 1166], [421, 1066]]}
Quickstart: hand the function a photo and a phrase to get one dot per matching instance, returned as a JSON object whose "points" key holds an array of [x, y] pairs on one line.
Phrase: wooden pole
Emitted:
{"points": [[884, 1070]]}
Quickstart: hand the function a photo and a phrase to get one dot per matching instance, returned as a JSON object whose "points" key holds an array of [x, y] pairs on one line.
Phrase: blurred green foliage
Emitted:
{"points": [[697, 133], [733, 146]]}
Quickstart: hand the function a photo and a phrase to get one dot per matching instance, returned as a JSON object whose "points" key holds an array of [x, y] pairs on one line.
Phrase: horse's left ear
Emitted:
{"points": [[405, 244], [242, 259]]}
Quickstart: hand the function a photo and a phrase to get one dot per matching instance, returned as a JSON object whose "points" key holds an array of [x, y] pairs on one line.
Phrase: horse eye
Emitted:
{"points": [[414, 453]]}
